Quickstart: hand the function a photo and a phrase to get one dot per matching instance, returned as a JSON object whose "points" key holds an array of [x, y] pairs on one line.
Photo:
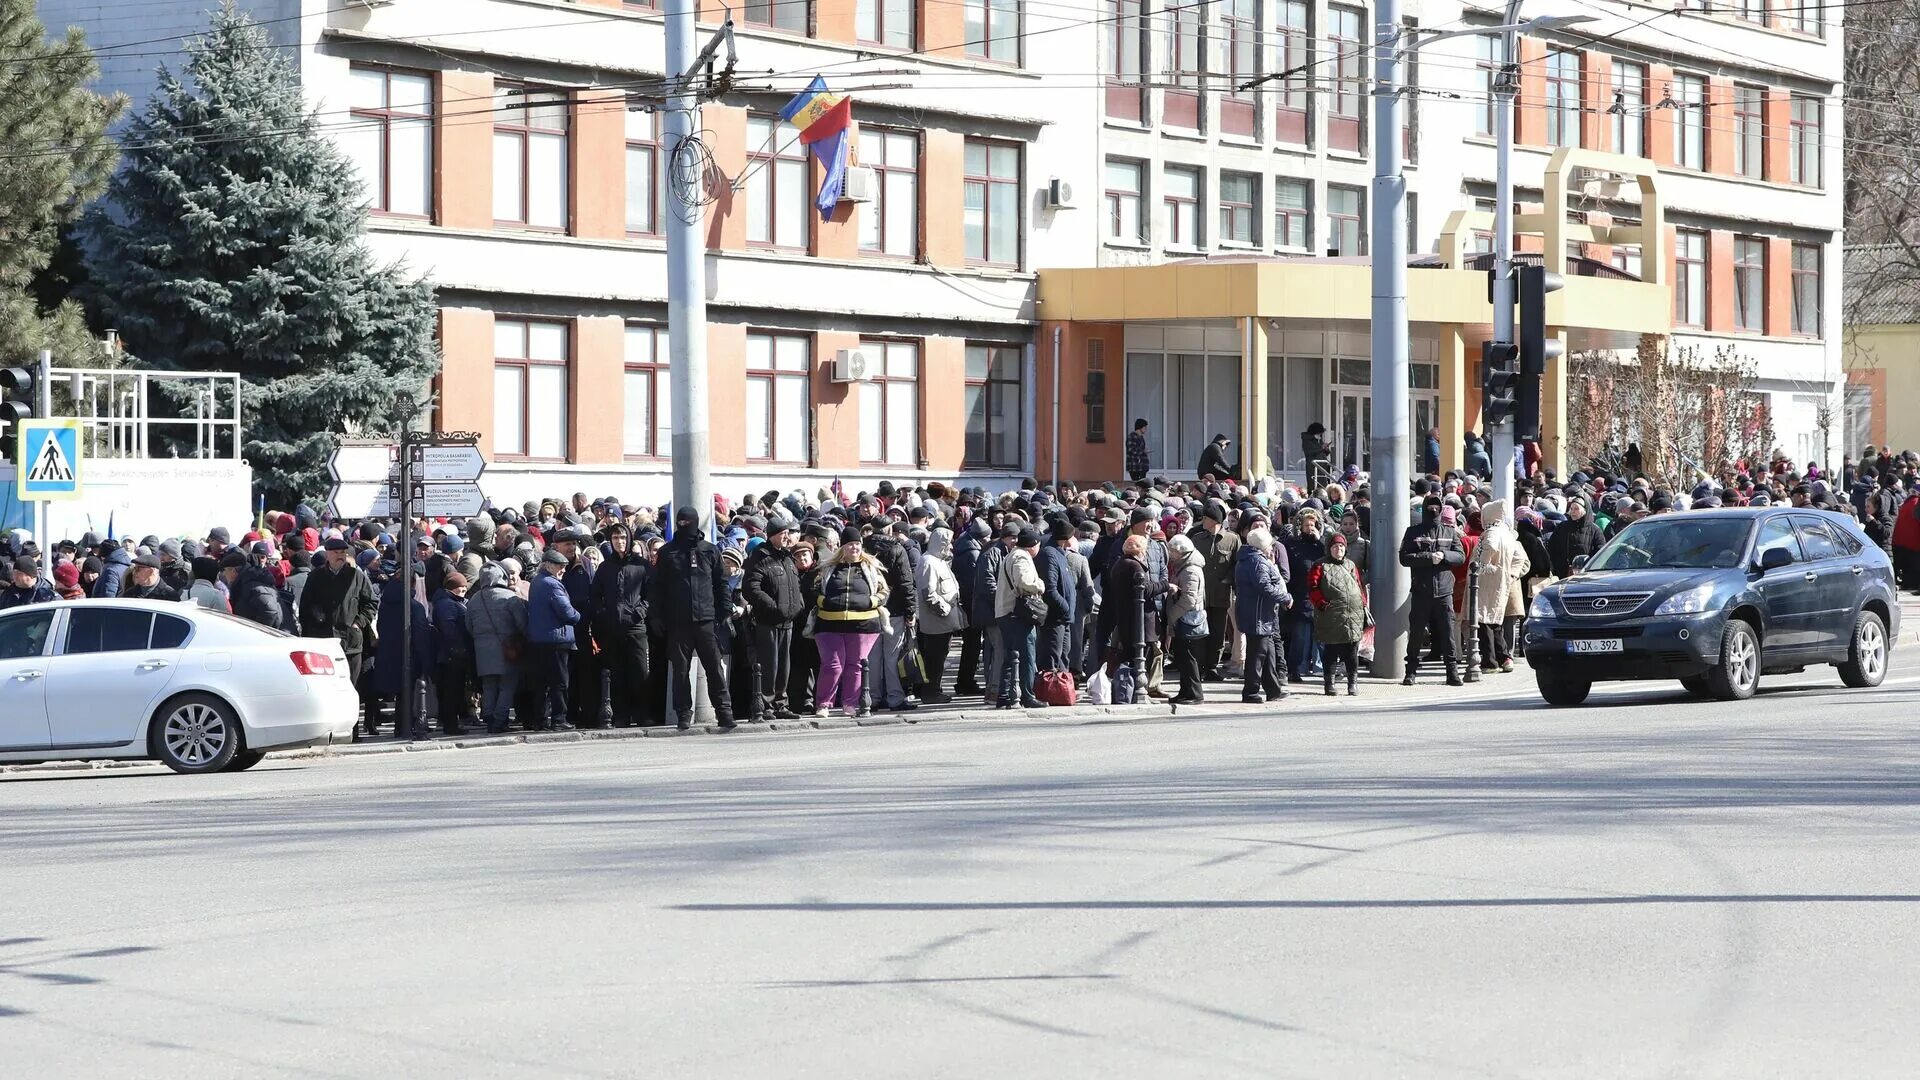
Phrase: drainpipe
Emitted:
{"points": [[1249, 453], [1056, 408]]}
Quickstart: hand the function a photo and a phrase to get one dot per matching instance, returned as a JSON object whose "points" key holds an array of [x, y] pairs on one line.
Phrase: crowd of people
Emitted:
{"points": [[584, 613]]}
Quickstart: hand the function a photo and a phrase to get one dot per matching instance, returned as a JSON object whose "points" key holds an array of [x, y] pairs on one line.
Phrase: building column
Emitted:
{"points": [[1553, 411], [1456, 369], [1255, 461]]}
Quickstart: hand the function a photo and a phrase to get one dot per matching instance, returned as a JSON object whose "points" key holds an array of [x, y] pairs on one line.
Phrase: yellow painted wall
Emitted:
{"points": [[1887, 359]]}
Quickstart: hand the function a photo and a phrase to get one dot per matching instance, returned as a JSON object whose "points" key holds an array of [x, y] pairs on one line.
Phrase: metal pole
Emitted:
{"points": [[403, 708], [43, 389], [1056, 410], [686, 290], [1500, 440], [1391, 445]]}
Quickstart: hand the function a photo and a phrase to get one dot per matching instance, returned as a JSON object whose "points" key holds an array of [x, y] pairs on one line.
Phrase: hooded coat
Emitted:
{"points": [[939, 588], [1339, 605], [1189, 580], [113, 575], [1259, 593], [1500, 564], [495, 615]]}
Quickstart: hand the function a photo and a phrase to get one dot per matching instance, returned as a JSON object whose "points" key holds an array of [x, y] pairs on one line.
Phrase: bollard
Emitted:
{"points": [[1140, 650], [1471, 653]]}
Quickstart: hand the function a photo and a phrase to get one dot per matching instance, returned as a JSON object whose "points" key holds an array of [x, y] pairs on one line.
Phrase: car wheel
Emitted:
{"points": [[1738, 674], [246, 759], [195, 733], [1561, 691], [1866, 662], [1696, 685]]}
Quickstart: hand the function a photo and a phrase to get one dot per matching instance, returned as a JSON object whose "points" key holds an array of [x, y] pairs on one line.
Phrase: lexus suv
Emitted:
{"points": [[1716, 599]]}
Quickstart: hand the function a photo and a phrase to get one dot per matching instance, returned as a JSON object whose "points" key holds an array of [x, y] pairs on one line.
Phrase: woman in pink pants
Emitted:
{"points": [[848, 619]]}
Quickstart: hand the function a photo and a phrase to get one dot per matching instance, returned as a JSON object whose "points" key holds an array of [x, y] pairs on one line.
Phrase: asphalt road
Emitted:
{"points": [[1649, 886]]}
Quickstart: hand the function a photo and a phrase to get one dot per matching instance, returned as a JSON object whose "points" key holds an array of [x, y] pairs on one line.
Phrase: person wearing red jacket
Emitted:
{"points": [[1906, 543]]}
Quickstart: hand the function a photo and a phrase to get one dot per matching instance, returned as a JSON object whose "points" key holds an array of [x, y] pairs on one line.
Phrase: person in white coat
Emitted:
{"points": [[938, 612], [1499, 564]]}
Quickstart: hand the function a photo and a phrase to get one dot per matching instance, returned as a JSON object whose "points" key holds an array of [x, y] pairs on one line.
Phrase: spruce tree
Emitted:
{"points": [[234, 243], [55, 157]]}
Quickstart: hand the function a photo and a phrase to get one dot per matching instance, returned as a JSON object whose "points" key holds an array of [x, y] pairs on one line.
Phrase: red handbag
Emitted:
{"points": [[1056, 688]]}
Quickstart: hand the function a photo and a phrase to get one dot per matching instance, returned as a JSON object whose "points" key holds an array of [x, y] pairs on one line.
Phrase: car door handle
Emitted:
{"points": [[1811, 576], [150, 665], [1856, 571], [28, 676]]}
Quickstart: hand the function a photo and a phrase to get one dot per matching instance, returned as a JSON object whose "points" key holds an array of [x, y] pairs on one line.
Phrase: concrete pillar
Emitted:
{"points": [[1457, 371], [1255, 460]]}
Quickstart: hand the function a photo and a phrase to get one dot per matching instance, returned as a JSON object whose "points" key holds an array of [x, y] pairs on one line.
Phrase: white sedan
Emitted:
{"points": [[199, 690]]}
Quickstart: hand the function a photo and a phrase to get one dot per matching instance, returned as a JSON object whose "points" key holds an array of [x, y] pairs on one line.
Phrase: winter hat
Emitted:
{"points": [[170, 548], [454, 580], [451, 544], [66, 575], [1449, 516], [553, 558]]}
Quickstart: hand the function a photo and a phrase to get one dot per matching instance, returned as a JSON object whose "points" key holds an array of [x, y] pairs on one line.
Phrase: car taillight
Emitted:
{"points": [[313, 663]]}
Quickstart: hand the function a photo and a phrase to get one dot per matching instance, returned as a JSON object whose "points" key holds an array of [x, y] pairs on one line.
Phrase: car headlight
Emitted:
{"points": [[1542, 608], [1690, 602]]}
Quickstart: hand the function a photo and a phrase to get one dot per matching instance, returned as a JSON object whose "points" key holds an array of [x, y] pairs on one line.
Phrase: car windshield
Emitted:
{"points": [[1675, 541]]}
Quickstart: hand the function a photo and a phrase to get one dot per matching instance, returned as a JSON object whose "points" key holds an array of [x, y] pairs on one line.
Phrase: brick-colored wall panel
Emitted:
{"points": [[942, 185], [599, 403], [838, 237], [1719, 122], [943, 385], [727, 393], [1779, 286], [599, 150], [833, 20], [727, 141], [1596, 94], [1720, 280], [1530, 113], [463, 150], [466, 372], [1659, 121], [836, 411], [1779, 116], [942, 27]]}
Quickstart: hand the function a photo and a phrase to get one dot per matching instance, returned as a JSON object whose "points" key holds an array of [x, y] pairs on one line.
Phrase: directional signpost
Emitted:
{"points": [[444, 480]]}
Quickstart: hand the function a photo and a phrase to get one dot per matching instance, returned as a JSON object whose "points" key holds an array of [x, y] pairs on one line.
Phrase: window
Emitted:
{"points": [[530, 389], [1096, 398], [1629, 108], [1626, 259], [1806, 289], [1293, 213], [170, 632], [530, 156], [1180, 193], [1186, 65], [1126, 223], [643, 164], [1239, 197], [1240, 27], [647, 428], [1777, 533], [1806, 16], [1749, 131], [1563, 98], [25, 635], [992, 205], [1344, 126], [890, 224], [1804, 152], [1750, 283], [788, 15], [99, 630], [779, 207], [890, 404], [1816, 541], [993, 30], [779, 409], [994, 396], [1756, 10], [1690, 278], [1296, 32], [1346, 220], [1126, 47], [390, 139], [1486, 66], [884, 22], [1690, 121]]}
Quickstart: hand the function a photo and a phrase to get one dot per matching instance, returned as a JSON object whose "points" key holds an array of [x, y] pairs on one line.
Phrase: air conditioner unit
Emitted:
{"points": [[860, 185], [851, 365], [1059, 194]]}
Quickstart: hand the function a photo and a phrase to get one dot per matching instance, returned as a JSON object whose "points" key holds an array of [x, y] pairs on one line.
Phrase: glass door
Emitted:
{"points": [[1352, 429]]}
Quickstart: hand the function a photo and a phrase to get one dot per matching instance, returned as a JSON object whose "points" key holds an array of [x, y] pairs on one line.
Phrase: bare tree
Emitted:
{"points": [[1881, 156], [1691, 412]]}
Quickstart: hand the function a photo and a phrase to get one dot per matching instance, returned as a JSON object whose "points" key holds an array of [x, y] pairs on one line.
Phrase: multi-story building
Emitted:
{"points": [[508, 161]]}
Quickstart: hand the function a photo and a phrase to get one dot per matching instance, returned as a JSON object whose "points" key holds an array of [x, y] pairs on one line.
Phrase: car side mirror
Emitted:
{"points": [[1774, 558], [1579, 563]]}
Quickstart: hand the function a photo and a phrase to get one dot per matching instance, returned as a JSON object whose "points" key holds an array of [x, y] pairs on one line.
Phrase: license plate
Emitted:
{"points": [[1596, 645]]}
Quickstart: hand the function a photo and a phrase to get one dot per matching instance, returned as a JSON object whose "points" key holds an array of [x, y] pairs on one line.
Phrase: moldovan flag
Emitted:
{"points": [[822, 118]]}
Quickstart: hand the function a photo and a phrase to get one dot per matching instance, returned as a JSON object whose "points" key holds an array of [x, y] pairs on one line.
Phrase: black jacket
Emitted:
{"points": [[1056, 573], [1122, 615], [689, 583], [159, 590], [15, 596], [1214, 463], [1432, 580], [178, 576], [256, 599], [902, 601], [1570, 540], [619, 598], [986, 582], [340, 605], [770, 583]]}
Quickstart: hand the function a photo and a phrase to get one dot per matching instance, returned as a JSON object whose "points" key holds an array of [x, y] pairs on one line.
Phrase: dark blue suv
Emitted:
{"points": [[1715, 599]]}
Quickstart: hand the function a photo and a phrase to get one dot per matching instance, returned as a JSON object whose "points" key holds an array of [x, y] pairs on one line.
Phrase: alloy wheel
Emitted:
{"points": [[195, 733]]}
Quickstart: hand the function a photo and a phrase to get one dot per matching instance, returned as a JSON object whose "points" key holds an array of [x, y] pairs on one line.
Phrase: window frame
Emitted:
{"points": [[1798, 318], [1173, 204], [1629, 85], [878, 207], [879, 8], [771, 7], [385, 117], [1681, 261], [1349, 56], [1303, 212], [1095, 398], [773, 377], [1231, 210], [657, 370], [980, 48], [884, 381], [651, 149], [1243, 49], [1296, 46], [1750, 283], [1562, 111], [1486, 66], [989, 182], [103, 612], [1750, 131], [1359, 218], [987, 384], [765, 163], [1127, 36], [525, 364], [1113, 201], [526, 133], [1803, 140], [1690, 125]]}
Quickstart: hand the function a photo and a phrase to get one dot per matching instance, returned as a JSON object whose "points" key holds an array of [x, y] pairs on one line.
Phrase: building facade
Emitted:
{"points": [[511, 157]]}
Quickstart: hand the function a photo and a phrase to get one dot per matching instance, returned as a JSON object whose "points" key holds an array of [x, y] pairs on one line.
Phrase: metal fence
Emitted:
{"points": [[149, 414]]}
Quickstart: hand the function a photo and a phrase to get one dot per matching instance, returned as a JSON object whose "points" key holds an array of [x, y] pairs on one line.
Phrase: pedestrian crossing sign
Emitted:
{"points": [[49, 457]]}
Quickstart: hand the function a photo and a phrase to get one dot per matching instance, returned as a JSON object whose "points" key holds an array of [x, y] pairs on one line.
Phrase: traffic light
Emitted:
{"points": [[16, 395], [1499, 382], [1536, 348]]}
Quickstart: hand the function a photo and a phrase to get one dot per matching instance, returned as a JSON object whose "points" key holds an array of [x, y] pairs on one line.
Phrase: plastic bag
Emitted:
{"points": [[1099, 688]]}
